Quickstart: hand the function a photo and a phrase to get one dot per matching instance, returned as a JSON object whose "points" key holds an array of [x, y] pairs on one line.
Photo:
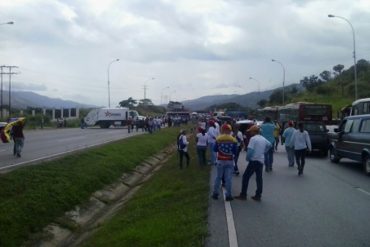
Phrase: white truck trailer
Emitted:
{"points": [[105, 117]]}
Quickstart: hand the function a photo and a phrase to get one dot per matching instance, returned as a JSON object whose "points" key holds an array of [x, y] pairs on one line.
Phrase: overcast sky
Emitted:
{"points": [[181, 49]]}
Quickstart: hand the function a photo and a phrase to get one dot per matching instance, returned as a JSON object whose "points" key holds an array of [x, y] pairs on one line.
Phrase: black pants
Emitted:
{"points": [[253, 167], [300, 157], [182, 153]]}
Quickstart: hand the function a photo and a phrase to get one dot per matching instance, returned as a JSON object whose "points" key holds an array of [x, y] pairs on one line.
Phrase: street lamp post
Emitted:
{"points": [[115, 60], [354, 49], [282, 65]]}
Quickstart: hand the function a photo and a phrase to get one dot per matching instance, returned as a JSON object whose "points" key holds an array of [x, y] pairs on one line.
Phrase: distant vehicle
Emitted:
{"points": [[361, 106], [218, 113], [305, 112], [181, 116], [352, 140], [105, 117], [268, 111], [319, 136]]}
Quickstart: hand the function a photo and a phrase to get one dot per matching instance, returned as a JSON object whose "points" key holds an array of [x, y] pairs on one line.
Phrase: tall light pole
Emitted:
{"points": [[115, 60], [282, 65], [1, 90], [354, 49], [145, 86]]}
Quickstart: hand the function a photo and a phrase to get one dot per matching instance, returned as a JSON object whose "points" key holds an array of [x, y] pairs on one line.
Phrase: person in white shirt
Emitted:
{"points": [[301, 142], [182, 146], [212, 135], [202, 143]]}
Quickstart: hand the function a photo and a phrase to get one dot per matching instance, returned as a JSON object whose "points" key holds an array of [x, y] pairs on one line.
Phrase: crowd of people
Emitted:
{"points": [[225, 141]]}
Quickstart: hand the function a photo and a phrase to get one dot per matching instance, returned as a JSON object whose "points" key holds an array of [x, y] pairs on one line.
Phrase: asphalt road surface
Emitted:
{"points": [[50, 143], [328, 206]]}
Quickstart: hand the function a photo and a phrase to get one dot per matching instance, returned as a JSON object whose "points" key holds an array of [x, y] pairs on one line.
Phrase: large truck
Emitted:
{"points": [[105, 117]]}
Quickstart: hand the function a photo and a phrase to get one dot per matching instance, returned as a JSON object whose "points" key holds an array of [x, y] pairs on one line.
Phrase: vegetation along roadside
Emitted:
{"points": [[32, 197], [169, 210]]}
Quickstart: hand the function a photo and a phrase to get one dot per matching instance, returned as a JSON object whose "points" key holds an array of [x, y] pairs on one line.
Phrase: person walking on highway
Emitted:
{"points": [[18, 137], [267, 131], [276, 134], [182, 147], [301, 142], [257, 148], [225, 147], [212, 135], [202, 142], [286, 139]]}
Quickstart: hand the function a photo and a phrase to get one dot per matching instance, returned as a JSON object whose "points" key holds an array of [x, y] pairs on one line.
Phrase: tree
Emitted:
{"points": [[325, 75], [311, 82], [338, 71], [146, 102], [276, 97], [130, 102], [262, 103]]}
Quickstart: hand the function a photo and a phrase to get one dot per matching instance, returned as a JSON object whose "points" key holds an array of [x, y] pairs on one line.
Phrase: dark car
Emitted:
{"points": [[319, 136], [352, 140]]}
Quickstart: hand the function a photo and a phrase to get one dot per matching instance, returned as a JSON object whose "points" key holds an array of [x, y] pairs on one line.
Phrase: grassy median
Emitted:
{"points": [[169, 210], [33, 197]]}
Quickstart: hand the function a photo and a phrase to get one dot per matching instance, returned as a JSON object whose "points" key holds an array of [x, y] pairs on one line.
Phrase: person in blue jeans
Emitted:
{"points": [[225, 147], [257, 147], [267, 131]]}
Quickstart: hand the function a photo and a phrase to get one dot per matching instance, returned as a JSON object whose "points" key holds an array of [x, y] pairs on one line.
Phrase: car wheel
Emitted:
{"points": [[366, 164], [333, 156]]}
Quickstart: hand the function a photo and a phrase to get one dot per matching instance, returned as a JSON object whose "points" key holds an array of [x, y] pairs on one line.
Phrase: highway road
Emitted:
{"points": [[328, 206], [50, 143]]}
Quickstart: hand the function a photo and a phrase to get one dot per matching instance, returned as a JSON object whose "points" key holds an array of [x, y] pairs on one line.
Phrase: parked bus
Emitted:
{"points": [[304, 111], [268, 111], [360, 107]]}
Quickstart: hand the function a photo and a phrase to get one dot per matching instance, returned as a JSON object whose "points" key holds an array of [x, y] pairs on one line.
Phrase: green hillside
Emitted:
{"points": [[335, 87]]}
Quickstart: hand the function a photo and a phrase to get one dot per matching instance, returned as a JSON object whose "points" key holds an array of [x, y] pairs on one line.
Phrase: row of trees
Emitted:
{"points": [[145, 107], [338, 81]]}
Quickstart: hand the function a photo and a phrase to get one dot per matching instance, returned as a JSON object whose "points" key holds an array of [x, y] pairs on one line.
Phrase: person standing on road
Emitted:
{"points": [[257, 148], [239, 138], [267, 131], [225, 147], [301, 142], [182, 147], [212, 135], [18, 137], [202, 142], [286, 139]]}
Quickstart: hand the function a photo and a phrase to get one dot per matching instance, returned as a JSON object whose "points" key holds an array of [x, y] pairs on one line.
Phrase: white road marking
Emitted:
{"points": [[363, 191], [52, 155], [71, 138], [233, 239], [3, 150]]}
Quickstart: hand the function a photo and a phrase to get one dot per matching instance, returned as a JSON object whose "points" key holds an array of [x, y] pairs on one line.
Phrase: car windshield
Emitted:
{"points": [[314, 127]]}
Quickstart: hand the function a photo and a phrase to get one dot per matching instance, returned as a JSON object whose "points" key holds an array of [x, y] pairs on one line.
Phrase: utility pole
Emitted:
{"points": [[1, 93], [10, 73], [145, 88]]}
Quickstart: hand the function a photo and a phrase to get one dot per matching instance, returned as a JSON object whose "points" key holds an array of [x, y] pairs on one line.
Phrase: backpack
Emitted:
{"points": [[181, 145]]}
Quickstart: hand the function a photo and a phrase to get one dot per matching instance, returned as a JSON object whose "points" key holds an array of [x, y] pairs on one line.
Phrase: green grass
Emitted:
{"points": [[169, 210], [32, 197]]}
